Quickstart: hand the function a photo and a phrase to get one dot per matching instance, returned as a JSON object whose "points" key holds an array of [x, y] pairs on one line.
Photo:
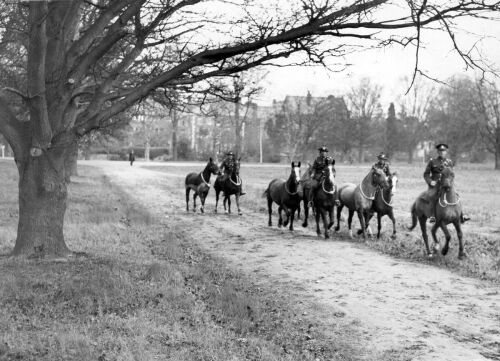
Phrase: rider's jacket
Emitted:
{"points": [[228, 165], [384, 166], [319, 166], [435, 167]]}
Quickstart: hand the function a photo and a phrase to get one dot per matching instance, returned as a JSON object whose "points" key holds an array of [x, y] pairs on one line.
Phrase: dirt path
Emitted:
{"points": [[431, 313]]}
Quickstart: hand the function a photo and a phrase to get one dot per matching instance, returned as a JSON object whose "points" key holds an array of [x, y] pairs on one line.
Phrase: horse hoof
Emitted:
{"points": [[201, 210], [215, 210], [240, 213], [393, 236], [462, 255], [270, 224], [444, 251], [304, 224], [285, 224], [226, 212], [327, 236], [360, 231], [436, 248], [330, 225]]}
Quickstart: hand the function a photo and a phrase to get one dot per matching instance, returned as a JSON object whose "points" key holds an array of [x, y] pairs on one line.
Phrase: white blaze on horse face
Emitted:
{"points": [[330, 169], [296, 170], [394, 184]]}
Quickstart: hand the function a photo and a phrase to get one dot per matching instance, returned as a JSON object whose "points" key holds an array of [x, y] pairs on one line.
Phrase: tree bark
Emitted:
{"points": [[42, 205], [410, 155], [71, 162], [147, 149]]}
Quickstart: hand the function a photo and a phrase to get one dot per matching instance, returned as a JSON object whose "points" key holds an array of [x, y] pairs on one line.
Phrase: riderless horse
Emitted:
{"points": [[382, 205], [359, 198], [230, 185], [324, 200], [448, 209], [200, 184], [285, 193]]}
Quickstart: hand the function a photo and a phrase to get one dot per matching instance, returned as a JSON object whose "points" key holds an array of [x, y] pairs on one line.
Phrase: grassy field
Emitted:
{"points": [[141, 290], [478, 185]]}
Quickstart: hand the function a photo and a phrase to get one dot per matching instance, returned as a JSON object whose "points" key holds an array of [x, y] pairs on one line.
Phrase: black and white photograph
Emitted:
{"points": [[250, 180]]}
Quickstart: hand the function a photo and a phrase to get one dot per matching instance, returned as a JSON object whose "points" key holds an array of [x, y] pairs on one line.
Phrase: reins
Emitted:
{"points": [[203, 179], [363, 193], [238, 181], [324, 190], [291, 193], [446, 203], [383, 200]]}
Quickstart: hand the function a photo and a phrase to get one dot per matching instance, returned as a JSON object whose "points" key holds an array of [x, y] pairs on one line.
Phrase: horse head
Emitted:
{"points": [[379, 179], [329, 171], [213, 167], [293, 182], [393, 182], [446, 179]]}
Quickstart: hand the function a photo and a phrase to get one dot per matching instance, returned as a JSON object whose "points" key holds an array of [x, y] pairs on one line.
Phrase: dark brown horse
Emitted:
{"points": [[382, 205], [285, 193], [448, 209], [304, 189], [229, 185], [200, 184], [324, 200], [359, 198]]}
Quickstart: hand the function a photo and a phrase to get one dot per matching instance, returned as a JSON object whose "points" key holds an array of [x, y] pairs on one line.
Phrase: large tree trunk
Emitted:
{"points": [[42, 205], [71, 162], [147, 149], [410, 155]]}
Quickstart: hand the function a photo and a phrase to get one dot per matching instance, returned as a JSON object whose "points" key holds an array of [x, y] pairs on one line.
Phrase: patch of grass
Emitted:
{"points": [[141, 290]]}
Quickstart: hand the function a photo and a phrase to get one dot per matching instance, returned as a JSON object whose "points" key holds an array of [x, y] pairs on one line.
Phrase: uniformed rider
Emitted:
{"points": [[383, 163], [318, 170], [432, 174], [227, 166]]}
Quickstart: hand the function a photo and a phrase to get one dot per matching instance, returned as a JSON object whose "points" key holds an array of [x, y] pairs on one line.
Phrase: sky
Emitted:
{"points": [[387, 67]]}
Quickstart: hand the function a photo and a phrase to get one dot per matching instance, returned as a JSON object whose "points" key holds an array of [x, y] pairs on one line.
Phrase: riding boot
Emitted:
{"points": [[463, 218]]}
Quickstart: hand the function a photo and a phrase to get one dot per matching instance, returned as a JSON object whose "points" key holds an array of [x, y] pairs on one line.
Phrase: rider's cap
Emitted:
{"points": [[323, 149], [442, 146], [382, 156]]}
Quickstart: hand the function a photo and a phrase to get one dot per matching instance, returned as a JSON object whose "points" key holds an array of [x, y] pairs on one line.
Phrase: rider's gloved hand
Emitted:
{"points": [[433, 183]]}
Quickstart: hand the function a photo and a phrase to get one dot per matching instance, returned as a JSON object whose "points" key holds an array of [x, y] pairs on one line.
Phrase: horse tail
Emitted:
{"points": [[413, 217], [266, 192]]}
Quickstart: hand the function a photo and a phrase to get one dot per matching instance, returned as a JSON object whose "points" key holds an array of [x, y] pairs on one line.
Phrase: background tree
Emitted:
{"points": [[488, 105], [453, 117], [414, 107], [392, 126], [366, 111], [84, 62]]}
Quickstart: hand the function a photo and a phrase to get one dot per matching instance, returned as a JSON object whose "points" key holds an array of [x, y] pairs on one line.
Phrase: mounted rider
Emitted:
{"points": [[432, 175], [227, 166], [318, 171], [383, 163]]}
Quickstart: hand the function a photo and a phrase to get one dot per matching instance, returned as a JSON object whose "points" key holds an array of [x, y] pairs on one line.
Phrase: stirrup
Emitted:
{"points": [[432, 219], [464, 219], [310, 204], [242, 193]]}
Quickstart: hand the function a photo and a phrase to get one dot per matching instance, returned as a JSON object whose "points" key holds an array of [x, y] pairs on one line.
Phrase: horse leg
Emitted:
{"points": [[349, 222], [227, 200], [292, 215], [361, 218], [325, 224], [379, 224], [391, 216], [269, 210], [202, 200], [422, 220], [306, 213], [194, 201], [433, 233], [339, 212], [187, 198], [287, 214], [216, 200], [316, 216], [330, 216], [280, 219], [458, 228], [447, 236], [237, 196]]}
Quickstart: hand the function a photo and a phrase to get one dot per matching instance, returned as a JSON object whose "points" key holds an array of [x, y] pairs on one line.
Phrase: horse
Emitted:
{"points": [[285, 193], [359, 198], [304, 189], [200, 184], [382, 205], [448, 209], [229, 186], [324, 200]]}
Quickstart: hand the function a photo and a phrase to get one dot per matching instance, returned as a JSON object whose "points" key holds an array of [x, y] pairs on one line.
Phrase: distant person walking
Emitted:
{"points": [[131, 157]]}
